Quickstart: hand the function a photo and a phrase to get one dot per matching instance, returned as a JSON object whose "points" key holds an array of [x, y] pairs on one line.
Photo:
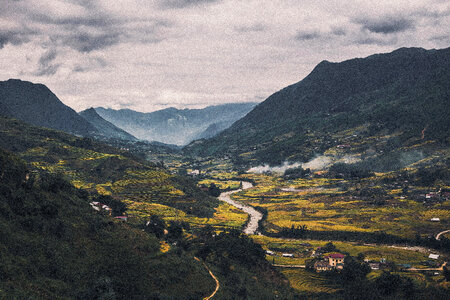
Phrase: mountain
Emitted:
{"points": [[105, 128], [37, 105], [174, 126], [402, 96], [213, 130]]}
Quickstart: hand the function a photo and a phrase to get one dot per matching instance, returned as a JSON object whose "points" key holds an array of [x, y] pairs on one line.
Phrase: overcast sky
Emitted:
{"points": [[149, 55]]}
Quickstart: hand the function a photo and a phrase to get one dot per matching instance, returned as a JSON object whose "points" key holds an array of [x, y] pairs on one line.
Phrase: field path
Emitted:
{"points": [[290, 266], [254, 215], [438, 236], [214, 277]]}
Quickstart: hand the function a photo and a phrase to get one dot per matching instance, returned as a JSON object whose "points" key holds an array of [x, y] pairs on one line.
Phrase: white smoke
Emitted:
{"points": [[316, 164], [279, 169]]}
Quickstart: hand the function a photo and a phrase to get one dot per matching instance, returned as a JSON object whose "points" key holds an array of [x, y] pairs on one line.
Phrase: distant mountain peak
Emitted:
{"points": [[175, 126], [104, 128]]}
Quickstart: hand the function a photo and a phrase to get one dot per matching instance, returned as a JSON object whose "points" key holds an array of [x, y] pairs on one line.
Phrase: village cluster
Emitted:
{"points": [[323, 260]]}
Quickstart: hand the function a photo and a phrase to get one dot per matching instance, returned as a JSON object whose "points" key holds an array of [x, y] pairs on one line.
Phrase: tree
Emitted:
{"points": [[213, 190], [388, 283], [175, 231], [156, 226], [446, 273]]}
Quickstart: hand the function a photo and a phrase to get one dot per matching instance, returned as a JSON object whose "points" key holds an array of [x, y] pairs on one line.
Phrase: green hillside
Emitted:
{"points": [[102, 169], [37, 105], [401, 93], [54, 246]]}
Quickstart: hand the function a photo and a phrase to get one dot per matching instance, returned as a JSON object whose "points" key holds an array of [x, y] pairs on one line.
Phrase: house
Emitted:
{"points": [[288, 255], [194, 173], [435, 220], [268, 252], [374, 266], [100, 206], [335, 258], [433, 256], [318, 252], [322, 265]]}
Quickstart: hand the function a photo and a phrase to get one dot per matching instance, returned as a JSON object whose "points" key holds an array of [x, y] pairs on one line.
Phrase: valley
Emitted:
{"points": [[336, 187]]}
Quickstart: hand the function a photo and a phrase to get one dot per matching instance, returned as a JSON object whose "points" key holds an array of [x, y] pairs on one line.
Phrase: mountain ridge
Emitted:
{"points": [[405, 90], [105, 129], [38, 105], [172, 125]]}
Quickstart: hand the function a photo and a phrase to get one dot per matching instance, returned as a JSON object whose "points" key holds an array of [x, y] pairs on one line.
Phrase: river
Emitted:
{"points": [[254, 215]]}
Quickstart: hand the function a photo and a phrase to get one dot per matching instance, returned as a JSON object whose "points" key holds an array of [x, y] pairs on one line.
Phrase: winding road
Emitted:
{"points": [[213, 277], [254, 215], [438, 236]]}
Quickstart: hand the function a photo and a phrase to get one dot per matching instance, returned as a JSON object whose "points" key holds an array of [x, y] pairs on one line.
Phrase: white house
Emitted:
{"points": [[433, 256]]}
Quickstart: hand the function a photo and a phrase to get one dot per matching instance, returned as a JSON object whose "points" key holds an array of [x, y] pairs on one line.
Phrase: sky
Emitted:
{"points": [[154, 54]]}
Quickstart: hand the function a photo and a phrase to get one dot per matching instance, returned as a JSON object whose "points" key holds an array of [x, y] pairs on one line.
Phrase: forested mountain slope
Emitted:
{"points": [[37, 105], [403, 92]]}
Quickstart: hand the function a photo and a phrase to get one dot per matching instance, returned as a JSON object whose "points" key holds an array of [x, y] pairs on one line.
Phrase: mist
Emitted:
{"points": [[318, 163]]}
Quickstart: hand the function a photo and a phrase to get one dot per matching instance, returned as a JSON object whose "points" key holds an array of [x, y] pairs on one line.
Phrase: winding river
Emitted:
{"points": [[254, 215]]}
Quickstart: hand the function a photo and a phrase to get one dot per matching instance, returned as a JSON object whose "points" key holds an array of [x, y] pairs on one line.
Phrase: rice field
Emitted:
{"points": [[333, 205]]}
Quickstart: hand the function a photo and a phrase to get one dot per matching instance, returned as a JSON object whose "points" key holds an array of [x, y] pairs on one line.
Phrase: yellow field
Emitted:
{"points": [[225, 216], [321, 204]]}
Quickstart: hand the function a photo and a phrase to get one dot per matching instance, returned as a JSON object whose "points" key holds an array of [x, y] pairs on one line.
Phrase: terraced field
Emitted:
{"points": [[336, 205], [309, 282]]}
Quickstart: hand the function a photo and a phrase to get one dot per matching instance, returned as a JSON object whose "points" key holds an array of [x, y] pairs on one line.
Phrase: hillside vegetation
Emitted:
{"points": [[102, 169], [55, 246], [401, 95], [37, 105]]}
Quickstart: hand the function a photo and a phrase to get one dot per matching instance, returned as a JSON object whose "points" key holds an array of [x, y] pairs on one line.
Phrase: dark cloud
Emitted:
{"points": [[386, 25], [87, 42], [440, 38], [91, 64], [251, 28], [14, 37], [339, 31], [184, 3], [370, 40], [307, 35], [46, 65]]}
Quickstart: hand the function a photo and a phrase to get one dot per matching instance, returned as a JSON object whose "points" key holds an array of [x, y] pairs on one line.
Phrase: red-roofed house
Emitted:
{"points": [[335, 258]]}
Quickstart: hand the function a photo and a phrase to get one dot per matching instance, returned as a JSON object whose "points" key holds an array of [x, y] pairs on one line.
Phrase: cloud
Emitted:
{"points": [[258, 27], [307, 35], [184, 3], [46, 66], [91, 63], [15, 37], [87, 42], [386, 24], [374, 40]]}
